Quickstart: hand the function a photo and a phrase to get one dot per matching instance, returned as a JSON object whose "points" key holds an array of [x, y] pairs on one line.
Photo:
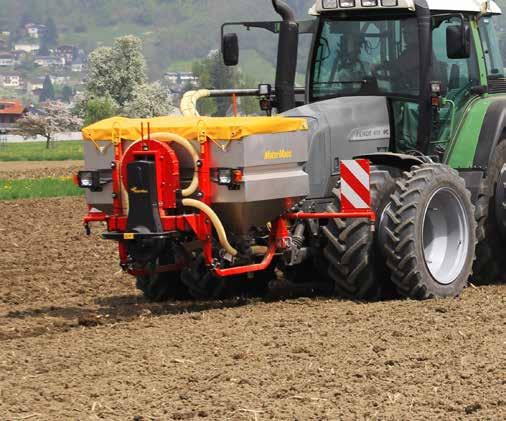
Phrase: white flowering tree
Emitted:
{"points": [[117, 70], [150, 100], [53, 117]]}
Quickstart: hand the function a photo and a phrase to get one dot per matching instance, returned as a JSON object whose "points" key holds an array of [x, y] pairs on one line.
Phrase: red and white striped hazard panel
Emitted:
{"points": [[355, 185]]}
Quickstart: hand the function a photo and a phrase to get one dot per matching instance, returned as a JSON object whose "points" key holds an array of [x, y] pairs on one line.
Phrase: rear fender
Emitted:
{"points": [[396, 160], [501, 202], [492, 132]]}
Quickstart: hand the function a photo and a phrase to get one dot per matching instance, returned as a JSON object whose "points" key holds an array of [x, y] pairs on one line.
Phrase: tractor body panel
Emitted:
{"points": [[342, 128]]}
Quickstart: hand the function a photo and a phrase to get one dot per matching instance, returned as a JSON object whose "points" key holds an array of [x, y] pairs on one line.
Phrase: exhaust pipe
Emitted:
{"points": [[287, 56]]}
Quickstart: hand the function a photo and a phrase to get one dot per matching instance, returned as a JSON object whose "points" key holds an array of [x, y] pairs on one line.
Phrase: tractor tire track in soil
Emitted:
{"points": [[77, 342]]}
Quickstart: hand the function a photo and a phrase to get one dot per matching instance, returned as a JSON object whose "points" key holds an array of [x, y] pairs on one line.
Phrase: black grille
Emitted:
{"points": [[497, 85]]}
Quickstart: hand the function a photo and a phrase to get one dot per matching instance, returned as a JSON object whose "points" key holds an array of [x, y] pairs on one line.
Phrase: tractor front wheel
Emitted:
{"points": [[431, 233]]}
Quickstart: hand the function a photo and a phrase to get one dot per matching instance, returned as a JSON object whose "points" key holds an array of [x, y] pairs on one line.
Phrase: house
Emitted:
{"points": [[181, 78], [10, 81], [7, 60], [35, 31], [26, 47], [47, 61], [68, 52], [78, 65], [10, 112]]}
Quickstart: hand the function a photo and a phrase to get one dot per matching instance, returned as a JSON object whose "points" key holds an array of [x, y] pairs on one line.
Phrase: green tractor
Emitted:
{"points": [[384, 175], [434, 70]]}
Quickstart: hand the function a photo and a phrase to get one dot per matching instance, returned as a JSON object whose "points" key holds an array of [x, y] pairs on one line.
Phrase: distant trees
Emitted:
{"points": [[213, 74], [47, 93], [148, 101], [118, 84], [117, 70], [55, 117], [96, 109]]}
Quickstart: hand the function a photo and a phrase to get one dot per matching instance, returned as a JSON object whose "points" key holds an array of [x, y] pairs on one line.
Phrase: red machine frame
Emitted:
{"points": [[199, 223]]}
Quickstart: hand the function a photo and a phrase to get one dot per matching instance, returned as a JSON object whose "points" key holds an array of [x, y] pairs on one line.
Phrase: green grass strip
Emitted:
{"points": [[37, 151], [36, 188]]}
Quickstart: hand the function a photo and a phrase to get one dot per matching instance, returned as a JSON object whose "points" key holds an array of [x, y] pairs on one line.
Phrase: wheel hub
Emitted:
{"points": [[445, 236]]}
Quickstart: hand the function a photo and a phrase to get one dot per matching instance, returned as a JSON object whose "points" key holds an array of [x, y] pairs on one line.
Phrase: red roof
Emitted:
{"points": [[8, 106]]}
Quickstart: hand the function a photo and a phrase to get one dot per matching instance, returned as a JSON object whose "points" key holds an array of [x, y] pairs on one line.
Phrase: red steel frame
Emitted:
{"points": [[200, 224]]}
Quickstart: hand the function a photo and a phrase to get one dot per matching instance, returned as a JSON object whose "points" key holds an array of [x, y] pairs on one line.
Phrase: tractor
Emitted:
{"points": [[384, 175]]}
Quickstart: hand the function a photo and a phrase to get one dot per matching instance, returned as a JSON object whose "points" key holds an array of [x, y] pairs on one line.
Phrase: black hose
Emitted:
{"points": [[287, 57], [284, 10]]}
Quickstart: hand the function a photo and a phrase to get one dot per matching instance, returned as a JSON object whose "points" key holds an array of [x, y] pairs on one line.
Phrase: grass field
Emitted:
{"points": [[43, 187], [36, 151]]}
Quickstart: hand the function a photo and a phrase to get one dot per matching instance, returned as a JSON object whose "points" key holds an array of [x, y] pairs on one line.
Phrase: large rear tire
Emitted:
{"points": [[354, 263], [490, 263], [431, 233]]}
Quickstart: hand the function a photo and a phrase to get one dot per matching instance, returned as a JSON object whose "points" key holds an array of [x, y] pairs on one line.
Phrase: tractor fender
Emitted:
{"points": [[397, 160], [500, 202], [492, 132]]}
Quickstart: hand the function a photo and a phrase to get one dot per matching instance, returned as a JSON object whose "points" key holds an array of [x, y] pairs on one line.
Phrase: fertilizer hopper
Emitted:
{"points": [[248, 170]]}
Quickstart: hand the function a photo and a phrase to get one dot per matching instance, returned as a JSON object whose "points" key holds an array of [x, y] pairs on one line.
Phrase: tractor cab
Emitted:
{"points": [[424, 57]]}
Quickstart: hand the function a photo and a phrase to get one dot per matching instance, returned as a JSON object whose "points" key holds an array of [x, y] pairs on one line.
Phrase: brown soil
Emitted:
{"points": [[78, 343], [38, 169]]}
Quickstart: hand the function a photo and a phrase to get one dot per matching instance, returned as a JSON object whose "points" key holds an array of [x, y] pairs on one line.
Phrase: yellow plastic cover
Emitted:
{"points": [[191, 128]]}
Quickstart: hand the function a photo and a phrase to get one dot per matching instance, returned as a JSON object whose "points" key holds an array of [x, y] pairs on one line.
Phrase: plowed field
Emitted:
{"points": [[77, 342]]}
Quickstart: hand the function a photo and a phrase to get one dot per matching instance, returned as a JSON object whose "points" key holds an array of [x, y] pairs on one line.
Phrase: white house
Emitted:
{"points": [[7, 60], [11, 81], [34, 31], [26, 47], [47, 61]]}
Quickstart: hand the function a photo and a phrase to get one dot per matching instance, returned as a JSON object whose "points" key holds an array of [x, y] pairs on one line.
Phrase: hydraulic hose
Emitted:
{"points": [[188, 104], [215, 220]]}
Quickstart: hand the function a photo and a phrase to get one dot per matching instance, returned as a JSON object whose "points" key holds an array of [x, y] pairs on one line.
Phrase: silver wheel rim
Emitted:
{"points": [[445, 236]]}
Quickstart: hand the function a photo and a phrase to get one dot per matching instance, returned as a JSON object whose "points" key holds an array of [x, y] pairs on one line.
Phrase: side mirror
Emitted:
{"points": [[230, 49], [458, 41]]}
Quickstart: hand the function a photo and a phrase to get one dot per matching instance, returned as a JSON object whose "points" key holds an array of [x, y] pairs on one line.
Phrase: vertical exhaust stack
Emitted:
{"points": [[287, 56]]}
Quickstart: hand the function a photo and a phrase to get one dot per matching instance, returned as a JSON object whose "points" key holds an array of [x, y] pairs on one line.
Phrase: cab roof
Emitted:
{"points": [[478, 6]]}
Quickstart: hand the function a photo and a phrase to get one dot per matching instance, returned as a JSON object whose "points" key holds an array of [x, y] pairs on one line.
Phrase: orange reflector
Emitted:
{"points": [[237, 176]]}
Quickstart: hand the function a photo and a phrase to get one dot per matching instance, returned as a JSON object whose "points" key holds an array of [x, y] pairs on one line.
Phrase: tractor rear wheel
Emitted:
{"points": [[354, 263], [490, 263], [431, 233]]}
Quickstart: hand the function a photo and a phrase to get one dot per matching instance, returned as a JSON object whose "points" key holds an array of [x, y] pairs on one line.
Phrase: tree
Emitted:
{"points": [[55, 117], [50, 35], [96, 109], [148, 101], [117, 71], [47, 93], [67, 93], [213, 74]]}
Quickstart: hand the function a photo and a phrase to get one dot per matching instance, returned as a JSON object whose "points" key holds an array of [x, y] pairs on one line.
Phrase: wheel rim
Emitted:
{"points": [[445, 237]]}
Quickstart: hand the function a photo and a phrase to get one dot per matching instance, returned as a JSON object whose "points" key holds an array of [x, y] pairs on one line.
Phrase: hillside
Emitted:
{"points": [[175, 32]]}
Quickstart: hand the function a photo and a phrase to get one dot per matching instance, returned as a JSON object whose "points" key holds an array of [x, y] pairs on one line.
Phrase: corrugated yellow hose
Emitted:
{"points": [[188, 104], [192, 203], [172, 137], [215, 220]]}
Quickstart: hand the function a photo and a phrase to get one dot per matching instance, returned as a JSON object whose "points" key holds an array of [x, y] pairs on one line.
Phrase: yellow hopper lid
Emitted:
{"points": [[216, 128]]}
